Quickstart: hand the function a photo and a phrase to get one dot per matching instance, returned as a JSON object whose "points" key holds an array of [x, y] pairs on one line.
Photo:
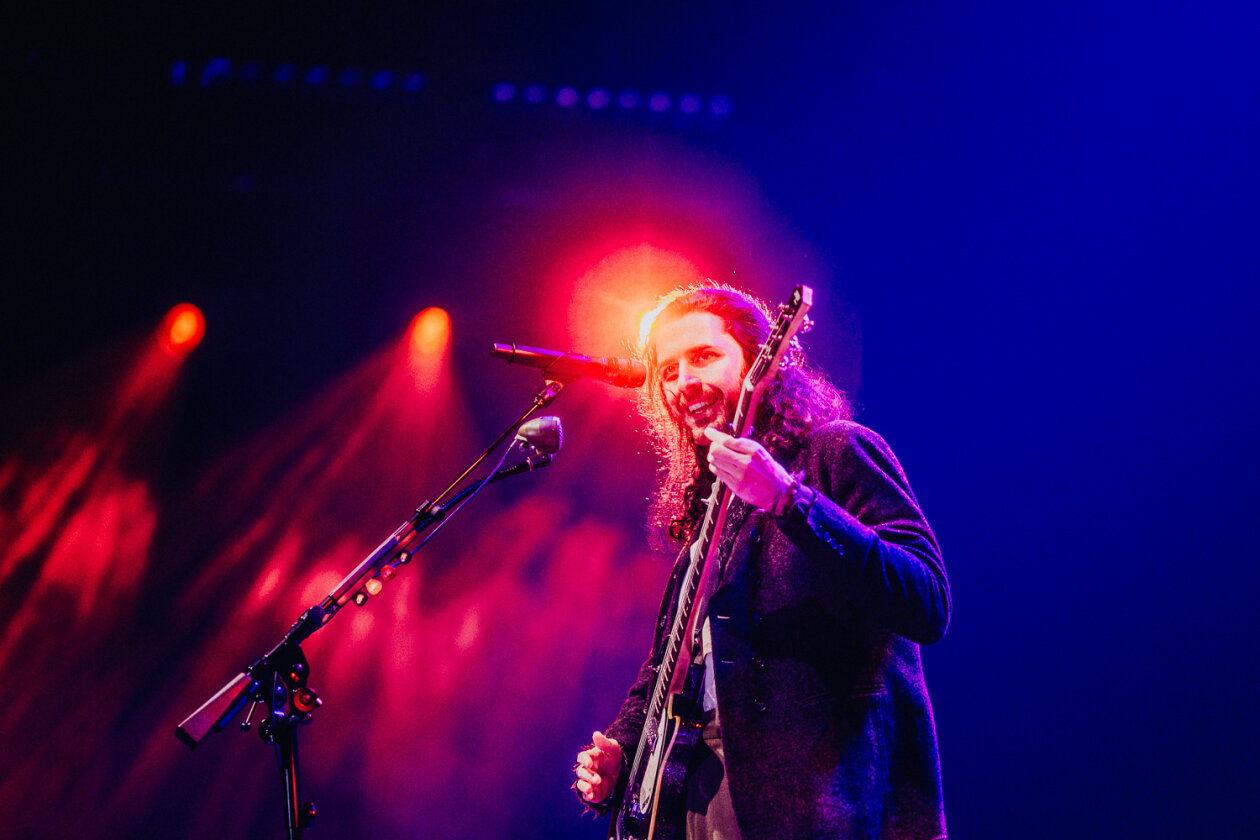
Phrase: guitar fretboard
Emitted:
{"points": [[791, 318]]}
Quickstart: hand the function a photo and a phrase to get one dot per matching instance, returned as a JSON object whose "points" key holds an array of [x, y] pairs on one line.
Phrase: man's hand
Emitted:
{"points": [[597, 768], [747, 468]]}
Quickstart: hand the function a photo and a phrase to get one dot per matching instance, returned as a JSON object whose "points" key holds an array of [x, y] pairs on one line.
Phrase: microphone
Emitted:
{"points": [[566, 367], [544, 434]]}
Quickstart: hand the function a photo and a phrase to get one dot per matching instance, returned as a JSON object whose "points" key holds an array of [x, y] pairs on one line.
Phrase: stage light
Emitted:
{"points": [[182, 329], [388, 573], [360, 598], [629, 100], [373, 586], [504, 92], [598, 99], [179, 73], [534, 94], [349, 77], [382, 79], [216, 70], [689, 104], [658, 102], [412, 82], [317, 75], [610, 295], [430, 332], [284, 73], [427, 341], [566, 97]]}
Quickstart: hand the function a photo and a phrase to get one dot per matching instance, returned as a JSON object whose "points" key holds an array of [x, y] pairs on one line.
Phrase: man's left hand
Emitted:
{"points": [[747, 468]]}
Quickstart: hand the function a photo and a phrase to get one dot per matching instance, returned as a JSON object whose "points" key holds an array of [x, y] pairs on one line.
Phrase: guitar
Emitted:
{"points": [[652, 805]]}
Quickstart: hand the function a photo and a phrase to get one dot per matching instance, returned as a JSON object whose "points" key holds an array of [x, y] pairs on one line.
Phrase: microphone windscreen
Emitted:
{"points": [[543, 433]]}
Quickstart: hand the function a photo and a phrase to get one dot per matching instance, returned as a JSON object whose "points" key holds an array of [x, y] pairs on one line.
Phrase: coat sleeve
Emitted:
{"points": [[861, 521]]}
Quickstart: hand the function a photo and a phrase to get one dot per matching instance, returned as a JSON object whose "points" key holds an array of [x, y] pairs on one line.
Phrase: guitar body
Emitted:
{"points": [[664, 816]]}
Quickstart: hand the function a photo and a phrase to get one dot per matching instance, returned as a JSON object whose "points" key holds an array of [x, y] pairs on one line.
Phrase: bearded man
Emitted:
{"points": [[817, 722]]}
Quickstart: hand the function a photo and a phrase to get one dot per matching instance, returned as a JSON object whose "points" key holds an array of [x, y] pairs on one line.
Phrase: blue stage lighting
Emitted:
{"points": [[349, 77], [629, 99], [216, 70], [284, 73], [535, 94], [598, 99], [689, 104], [179, 73], [566, 97], [504, 92], [720, 106], [382, 79], [412, 82], [659, 102], [317, 75]]}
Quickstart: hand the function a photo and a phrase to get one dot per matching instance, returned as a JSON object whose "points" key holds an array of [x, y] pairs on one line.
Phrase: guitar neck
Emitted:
{"points": [[791, 319], [715, 516], [716, 507]]}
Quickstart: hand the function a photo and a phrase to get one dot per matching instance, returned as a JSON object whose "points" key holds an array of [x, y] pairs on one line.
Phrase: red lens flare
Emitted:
{"points": [[182, 329]]}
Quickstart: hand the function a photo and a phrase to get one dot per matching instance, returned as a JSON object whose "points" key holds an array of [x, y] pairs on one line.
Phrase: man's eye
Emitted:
{"points": [[669, 374]]}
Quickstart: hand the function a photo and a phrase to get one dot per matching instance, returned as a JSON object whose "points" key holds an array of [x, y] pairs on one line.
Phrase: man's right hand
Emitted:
{"points": [[598, 767]]}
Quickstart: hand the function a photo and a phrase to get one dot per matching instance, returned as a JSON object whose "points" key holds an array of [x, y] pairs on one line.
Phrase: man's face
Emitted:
{"points": [[701, 369]]}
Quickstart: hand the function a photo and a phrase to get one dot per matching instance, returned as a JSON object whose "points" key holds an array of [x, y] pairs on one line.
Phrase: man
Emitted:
{"points": [[818, 723]]}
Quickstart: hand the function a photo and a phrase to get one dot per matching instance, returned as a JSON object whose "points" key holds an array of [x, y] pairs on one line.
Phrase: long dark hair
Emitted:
{"points": [[799, 399]]}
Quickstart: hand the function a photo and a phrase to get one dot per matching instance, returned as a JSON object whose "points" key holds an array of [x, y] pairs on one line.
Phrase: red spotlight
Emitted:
{"points": [[608, 302], [427, 340], [430, 331], [182, 329]]}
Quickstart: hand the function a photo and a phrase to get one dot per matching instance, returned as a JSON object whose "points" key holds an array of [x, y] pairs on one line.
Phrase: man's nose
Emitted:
{"points": [[686, 377]]}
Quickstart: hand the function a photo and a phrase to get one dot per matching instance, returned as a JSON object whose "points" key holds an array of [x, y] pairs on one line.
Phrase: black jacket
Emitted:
{"points": [[816, 626]]}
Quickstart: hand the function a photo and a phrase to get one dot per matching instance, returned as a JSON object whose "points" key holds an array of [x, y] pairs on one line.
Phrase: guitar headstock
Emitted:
{"points": [[792, 320]]}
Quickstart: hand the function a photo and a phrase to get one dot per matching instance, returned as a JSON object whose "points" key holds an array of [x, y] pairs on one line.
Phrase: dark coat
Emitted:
{"points": [[816, 626]]}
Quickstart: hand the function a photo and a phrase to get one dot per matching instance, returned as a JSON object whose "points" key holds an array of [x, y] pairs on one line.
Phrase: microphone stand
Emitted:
{"points": [[279, 677]]}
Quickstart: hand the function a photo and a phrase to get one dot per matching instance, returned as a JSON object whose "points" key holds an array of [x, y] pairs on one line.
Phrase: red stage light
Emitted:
{"points": [[427, 340], [430, 331], [608, 301], [182, 329]]}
